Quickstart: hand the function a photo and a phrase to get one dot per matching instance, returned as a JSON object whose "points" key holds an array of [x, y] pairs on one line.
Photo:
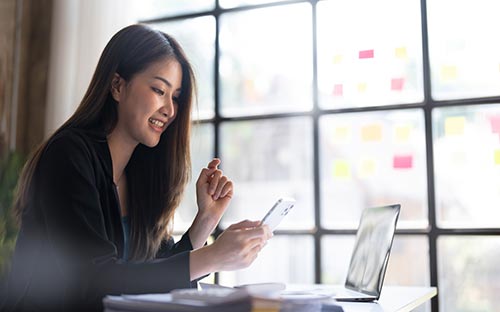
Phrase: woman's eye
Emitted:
{"points": [[175, 99], [160, 92]]}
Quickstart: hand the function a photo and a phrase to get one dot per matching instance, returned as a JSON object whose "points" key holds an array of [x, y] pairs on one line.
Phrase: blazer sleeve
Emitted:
{"points": [[169, 248], [86, 260]]}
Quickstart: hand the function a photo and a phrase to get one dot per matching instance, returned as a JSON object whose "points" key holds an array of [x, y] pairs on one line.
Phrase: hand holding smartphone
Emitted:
{"points": [[279, 210]]}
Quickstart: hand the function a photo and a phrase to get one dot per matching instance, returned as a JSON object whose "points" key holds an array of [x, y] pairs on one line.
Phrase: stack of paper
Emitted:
{"points": [[181, 300], [254, 297]]}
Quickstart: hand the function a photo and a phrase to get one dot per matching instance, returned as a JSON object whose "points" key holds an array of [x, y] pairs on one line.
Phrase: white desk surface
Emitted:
{"points": [[392, 299]]}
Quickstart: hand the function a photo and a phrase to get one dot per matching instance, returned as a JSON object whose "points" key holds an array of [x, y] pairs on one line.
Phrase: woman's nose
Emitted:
{"points": [[168, 110]]}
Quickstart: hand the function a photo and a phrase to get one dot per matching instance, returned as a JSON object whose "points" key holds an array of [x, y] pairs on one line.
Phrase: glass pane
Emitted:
{"points": [[265, 161], [150, 9], [467, 165], [408, 262], [373, 159], [367, 57], [202, 151], [468, 273], [266, 60], [197, 37], [279, 262], [464, 56], [236, 3]]}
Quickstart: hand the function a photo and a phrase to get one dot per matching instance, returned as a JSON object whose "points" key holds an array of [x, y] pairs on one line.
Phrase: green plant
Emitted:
{"points": [[10, 167]]}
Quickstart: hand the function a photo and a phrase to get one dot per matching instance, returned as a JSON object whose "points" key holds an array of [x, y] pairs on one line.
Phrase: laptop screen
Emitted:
{"points": [[372, 248]]}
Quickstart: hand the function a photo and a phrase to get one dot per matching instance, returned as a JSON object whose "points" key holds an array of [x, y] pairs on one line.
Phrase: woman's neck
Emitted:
{"points": [[121, 150]]}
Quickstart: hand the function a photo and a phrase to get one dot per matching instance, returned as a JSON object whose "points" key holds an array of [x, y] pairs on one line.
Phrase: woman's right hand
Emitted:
{"points": [[236, 248]]}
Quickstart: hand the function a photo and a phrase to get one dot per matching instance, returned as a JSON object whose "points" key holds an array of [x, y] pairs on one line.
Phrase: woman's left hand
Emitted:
{"points": [[213, 192]]}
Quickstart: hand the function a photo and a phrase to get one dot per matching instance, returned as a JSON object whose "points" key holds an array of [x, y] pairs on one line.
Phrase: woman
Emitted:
{"points": [[97, 199]]}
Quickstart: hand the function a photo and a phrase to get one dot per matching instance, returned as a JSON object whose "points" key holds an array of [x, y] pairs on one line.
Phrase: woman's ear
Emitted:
{"points": [[117, 87]]}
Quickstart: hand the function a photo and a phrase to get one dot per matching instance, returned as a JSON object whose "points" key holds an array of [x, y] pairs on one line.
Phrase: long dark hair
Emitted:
{"points": [[154, 191]]}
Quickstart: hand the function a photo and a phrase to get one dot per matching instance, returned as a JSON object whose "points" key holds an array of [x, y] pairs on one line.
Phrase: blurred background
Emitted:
{"points": [[341, 104]]}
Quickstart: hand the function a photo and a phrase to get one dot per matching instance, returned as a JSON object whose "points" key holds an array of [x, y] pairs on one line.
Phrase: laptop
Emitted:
{"points": [[369, 258]]}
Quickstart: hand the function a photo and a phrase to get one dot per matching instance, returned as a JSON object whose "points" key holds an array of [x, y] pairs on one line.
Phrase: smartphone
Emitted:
{"points": [[280, 209]]}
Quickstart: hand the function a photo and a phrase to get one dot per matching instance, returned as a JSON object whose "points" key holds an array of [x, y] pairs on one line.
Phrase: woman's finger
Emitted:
{"points": [[227, 190], [215, 179], [220, 186]]}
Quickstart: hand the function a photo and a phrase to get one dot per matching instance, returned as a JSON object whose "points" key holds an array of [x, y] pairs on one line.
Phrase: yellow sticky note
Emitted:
{"points": [[337, 58], [367, 167], [361, 87], [448, 73], [400, 52], [341, 169], [371, 132], [454, 125], [341, 134], [402, 133], [497, 157]]}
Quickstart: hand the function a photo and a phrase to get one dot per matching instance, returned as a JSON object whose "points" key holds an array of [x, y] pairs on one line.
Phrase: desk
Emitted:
{"points": [[392, 299]]}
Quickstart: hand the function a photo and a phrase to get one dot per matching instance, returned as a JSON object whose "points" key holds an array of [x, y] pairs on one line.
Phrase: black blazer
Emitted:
{"points": [[69, 247]]}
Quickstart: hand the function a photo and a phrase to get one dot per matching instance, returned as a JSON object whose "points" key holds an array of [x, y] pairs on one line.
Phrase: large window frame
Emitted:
{"points": [[432, 232]]}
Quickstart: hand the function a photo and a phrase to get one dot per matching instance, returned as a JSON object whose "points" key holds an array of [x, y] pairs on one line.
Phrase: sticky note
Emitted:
{"points": [[402, 133], [367, 167], [371, 133], [495, 124], [341, 134], [400, 52], [362, 87], [338, 90], [402, 161], [497, 157], [341, 169], [397, 84], [337, 59], [365, 54], [454, 125], [448, 73]]}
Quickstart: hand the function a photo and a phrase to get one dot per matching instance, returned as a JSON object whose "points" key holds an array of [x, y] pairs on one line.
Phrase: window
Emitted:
{"points": [[348, 104]]}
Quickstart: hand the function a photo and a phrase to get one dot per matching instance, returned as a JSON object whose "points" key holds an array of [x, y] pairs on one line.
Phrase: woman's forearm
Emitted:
{"points": [[201, 262], [201, 229]]}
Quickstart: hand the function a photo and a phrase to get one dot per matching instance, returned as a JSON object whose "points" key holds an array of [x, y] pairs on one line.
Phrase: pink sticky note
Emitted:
{"points": [[366, 54], [338, 90], [495, 124], [397, 84], [402, 162]]}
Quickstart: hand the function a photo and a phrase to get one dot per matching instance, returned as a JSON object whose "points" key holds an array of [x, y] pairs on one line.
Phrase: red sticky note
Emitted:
{"points": [[495, 124], [402, 162], [338, 90], [366, 54], [397, 84]]}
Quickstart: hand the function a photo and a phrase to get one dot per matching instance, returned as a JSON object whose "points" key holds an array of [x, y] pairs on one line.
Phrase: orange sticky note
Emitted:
{"points": [[400, 52], [338, 90], [361, 87], [397, 84], [497, 157], [337, 59], [448, 73], [371, 133], [402, 133], [341, 169], [402, 161], [454, 125]]}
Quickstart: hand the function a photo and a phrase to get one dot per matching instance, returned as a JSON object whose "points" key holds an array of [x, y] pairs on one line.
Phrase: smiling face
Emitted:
{"points": [[147, 103]]}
